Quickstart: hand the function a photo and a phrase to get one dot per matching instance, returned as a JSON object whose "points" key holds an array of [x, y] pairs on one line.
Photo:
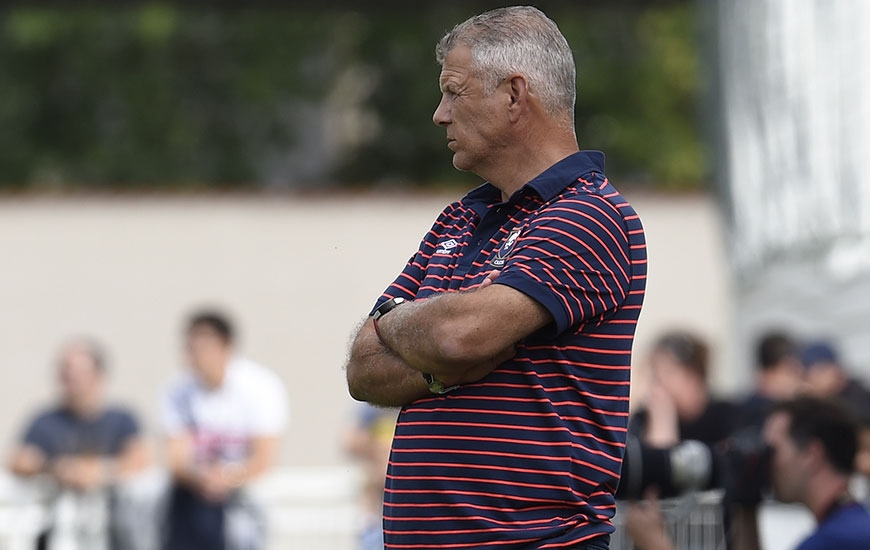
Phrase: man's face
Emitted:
{"points": [[476, 124], [80, 379], [789, 467], [823, 379], [207, 354]]}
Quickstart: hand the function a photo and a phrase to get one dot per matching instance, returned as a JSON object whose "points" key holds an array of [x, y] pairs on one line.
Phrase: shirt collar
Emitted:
{"points": [[551, 181]]}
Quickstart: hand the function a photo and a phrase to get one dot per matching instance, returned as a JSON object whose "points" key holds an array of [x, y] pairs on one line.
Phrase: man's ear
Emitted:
{"points": [[518, 90], [816, 453]]}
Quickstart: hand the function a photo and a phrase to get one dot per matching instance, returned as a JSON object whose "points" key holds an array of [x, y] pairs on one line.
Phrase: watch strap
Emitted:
{"points": [[437, 386]]}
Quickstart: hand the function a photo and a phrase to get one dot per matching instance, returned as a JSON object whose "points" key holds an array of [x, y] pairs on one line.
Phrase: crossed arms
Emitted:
{"points": [[458, 337]]}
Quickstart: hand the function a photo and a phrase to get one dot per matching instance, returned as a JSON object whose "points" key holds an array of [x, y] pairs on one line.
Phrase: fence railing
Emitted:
{"points": [[314, 509]]}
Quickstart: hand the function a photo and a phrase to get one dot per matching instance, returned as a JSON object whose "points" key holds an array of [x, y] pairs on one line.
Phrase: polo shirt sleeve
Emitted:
{"points": [[573, 258], [40, 434], [407, 284], [127, 425]]}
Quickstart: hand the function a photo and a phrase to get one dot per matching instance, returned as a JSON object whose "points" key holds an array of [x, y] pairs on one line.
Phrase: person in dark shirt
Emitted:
{"points": [[679, 404], [825, 376], [82, 443], [779, 377], [813, 444]]}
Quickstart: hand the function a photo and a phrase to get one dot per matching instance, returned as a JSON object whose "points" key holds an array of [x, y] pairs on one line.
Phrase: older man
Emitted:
{"points": [[507, 338]]}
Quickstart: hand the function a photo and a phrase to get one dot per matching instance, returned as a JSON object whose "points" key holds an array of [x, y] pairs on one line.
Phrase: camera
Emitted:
{"points": [[739, 465]]}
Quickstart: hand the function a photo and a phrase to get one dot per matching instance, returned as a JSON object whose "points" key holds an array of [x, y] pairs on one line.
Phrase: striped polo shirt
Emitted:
{"points": [[529, 456]]}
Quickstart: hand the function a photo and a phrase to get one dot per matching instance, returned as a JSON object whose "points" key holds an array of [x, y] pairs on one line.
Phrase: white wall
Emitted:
{"points": [[297, 272]]}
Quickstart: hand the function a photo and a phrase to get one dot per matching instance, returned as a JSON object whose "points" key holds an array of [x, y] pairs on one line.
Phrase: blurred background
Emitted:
{"points": [[279, 161]]}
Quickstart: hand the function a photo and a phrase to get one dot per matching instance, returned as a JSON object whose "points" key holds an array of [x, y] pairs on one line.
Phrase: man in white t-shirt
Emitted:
{"points": [[224, 419]]}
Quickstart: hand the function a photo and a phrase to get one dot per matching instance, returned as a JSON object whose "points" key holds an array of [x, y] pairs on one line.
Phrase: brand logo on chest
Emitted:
{"points": [[446, 247]]}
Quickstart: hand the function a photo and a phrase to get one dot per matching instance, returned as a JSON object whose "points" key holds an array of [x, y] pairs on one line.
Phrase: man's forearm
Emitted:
{"points": [[459, 336], [377, 375]]}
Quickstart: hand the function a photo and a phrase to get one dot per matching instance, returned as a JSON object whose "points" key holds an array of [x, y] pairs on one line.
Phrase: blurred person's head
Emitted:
{"points": [[209, 346], [81, 373], [824, 376], [813, 442], [679, 362], [779, 366]]}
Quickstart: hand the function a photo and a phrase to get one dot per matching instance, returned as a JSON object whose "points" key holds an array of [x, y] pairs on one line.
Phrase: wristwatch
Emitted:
{"points": [[387, 307], [437, 386]]}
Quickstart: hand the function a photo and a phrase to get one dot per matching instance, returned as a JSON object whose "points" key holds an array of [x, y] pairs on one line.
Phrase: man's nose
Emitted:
{"points": [[441, 117]]}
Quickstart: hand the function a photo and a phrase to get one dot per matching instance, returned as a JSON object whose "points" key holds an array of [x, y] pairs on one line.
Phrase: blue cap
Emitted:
{"points": [[818, 352]]}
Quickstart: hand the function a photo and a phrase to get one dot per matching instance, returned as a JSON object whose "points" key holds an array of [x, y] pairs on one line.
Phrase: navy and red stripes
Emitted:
{"points": [[529, 456]]}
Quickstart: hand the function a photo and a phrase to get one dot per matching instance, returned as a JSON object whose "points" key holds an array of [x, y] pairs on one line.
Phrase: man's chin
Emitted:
{"points": [[461, 164]]}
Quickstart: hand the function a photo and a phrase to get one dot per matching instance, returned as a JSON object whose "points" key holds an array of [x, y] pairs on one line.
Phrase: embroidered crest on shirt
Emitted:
{"points": [[446, 246], [501, 255]]}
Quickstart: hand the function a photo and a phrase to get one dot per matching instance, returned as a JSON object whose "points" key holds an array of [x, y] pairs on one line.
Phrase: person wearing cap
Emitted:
{"points": [[825, 376]]}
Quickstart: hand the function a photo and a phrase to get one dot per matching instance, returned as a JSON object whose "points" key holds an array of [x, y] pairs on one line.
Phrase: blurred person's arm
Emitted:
{"points": [[88, 472], [30, 457], [215, 482], [646, 526], [662, 428], [27, 461], [743, 531], [134, 458]]}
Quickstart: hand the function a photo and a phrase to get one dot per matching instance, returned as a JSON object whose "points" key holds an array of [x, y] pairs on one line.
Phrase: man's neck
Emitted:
{"points": [[825, 492], [524, 162], [85, 410]]}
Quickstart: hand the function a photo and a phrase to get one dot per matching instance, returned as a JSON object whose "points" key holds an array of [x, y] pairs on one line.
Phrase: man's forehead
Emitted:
{"points": [[457, 62]]}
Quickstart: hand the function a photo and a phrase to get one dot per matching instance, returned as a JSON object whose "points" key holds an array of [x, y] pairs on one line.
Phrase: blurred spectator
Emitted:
{"points": [[813, 445], [224, 418], [825, 376], [679, 404], [84, 444], [779, 377], [369, 441]]}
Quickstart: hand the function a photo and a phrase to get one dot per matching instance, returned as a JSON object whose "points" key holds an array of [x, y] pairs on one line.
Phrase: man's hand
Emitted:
{"points": [[490, 278], [80, 473], [663, 424], [478, 371], [646, 525], [214, 483], [458, 337]]}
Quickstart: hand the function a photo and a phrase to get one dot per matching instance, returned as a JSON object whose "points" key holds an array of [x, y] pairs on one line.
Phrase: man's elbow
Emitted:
{"points": [[355, 382]]}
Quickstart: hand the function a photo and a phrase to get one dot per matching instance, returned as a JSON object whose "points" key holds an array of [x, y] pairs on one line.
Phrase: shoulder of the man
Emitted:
{"points": [[847, 529], [47, 417]]}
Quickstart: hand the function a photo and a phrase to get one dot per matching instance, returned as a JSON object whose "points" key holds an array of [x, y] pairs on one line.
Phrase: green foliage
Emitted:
{"points": [[172, 96]]}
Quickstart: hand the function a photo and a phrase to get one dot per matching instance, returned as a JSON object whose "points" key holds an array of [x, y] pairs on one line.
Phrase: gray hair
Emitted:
{"points": [[519, 39]]}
